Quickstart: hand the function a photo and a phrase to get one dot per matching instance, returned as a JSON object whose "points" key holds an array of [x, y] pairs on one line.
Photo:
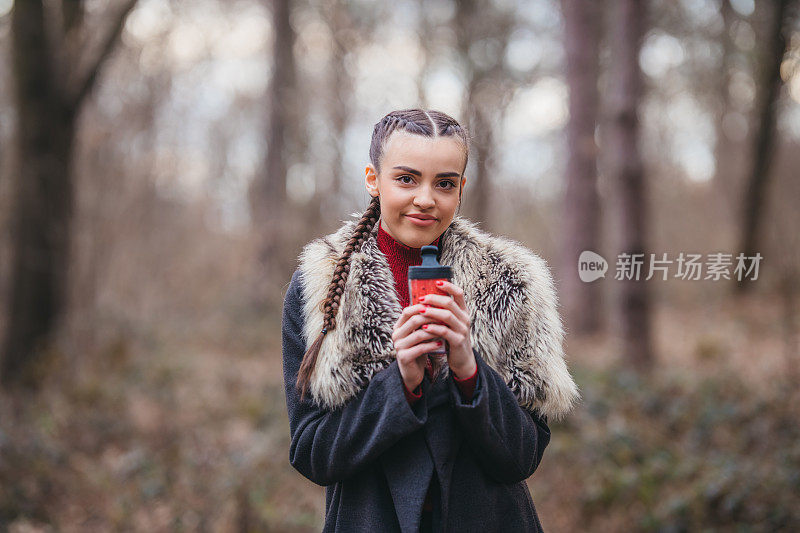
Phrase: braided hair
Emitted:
{"points": [[428, 123]]}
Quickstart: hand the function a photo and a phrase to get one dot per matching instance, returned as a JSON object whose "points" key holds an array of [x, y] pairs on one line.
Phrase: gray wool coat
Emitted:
{"points": [[356, 434]]}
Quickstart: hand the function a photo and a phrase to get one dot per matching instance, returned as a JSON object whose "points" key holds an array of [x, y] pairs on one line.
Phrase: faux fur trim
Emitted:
{"points": [[508, 289]]}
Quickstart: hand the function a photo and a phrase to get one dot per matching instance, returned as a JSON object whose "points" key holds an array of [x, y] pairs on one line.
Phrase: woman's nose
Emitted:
{"points": [[424, 199]]}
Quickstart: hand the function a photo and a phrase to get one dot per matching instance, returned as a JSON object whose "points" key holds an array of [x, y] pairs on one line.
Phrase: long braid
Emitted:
{"points": [[330, 305]]}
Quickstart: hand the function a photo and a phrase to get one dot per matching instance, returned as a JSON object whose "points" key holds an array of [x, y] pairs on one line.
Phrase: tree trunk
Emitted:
{"points": [[627, 175], [479, 187], [484, 100], [342, 87], [724, 180], [769, 85], [267, 195], [50, 86], [788, 285], [581, 210], [40, 223]]}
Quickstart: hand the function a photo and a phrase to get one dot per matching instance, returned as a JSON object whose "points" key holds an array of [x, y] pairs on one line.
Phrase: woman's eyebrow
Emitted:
{"points": [[418, 173]]}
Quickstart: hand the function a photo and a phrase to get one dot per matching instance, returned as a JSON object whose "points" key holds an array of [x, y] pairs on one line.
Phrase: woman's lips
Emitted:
{"points": [[421, 221]]}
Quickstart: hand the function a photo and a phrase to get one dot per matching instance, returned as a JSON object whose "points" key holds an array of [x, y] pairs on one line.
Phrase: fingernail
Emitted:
{"points": [[438, 343], [425, 326], [440, 283], [421, 298], [422, 310]]}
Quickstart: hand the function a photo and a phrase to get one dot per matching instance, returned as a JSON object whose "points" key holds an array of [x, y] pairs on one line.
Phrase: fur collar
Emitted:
{"points": [[508, 289]]}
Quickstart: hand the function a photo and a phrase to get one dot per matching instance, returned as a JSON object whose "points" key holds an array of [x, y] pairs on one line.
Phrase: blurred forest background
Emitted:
{"points": [[162, 162]]}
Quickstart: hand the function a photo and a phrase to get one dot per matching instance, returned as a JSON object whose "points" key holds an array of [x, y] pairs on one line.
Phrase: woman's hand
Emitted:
{"points": [[451, 323], [412, 344]]}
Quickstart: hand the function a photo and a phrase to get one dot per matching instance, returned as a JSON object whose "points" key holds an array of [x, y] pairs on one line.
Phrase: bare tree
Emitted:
{"points": [[768, 89], [267, 195], [477, 23], [346, 40], [627, 175], [54, 73], [581, 210], [424, 31], [723, 179]]}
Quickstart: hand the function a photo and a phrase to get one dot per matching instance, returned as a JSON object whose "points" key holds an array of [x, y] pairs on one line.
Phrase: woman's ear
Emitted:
{"points": [[371, 180]]}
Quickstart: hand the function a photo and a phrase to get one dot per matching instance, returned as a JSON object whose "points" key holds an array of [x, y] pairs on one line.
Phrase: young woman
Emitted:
{"points": [[402, 444]]}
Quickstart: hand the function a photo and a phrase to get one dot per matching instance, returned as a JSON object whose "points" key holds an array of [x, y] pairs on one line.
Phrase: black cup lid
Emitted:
{"points": [[430, 267]]}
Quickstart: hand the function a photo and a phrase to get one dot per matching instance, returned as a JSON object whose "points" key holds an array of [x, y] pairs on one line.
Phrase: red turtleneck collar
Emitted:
{"points": [[400, 258]]}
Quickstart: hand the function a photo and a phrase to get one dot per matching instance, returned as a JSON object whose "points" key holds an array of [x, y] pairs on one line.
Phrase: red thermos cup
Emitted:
{"points": [[422, 280]]}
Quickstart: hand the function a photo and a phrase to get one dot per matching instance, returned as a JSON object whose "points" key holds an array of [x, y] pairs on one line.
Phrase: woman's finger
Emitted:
{"points": [[456, 291], [407, 313], [413, 336], [446, 302], [410, 325], [422, 348], [453, 337], [446, 316]]}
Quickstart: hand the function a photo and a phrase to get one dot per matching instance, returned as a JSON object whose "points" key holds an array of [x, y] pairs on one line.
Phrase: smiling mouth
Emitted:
{"points": [[422, 217]]}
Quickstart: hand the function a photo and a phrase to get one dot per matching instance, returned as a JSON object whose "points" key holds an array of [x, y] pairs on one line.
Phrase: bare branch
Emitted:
{"points": [[84, 75], [71, 15], [65, 21]]}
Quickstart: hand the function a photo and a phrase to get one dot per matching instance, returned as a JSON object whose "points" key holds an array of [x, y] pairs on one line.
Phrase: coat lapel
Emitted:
{"points": [[443, 436], [508, 290], [408, 474]]}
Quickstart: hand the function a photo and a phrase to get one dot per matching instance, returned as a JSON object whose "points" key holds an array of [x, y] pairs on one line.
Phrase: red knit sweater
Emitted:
{"points": [[400, 257]]}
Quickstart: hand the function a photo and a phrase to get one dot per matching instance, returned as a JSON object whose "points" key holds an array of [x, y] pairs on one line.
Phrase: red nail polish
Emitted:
{"points": [[425, 326], [421, 298], [422, 310], [440, 283], [438, 343]]}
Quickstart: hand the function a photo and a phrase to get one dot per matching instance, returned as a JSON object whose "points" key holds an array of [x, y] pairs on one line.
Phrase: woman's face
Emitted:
{"points": [[419, 186]]}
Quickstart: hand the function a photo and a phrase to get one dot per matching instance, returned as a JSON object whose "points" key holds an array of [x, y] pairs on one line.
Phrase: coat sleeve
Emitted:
{"points": [[328, 446], [508, 440]]}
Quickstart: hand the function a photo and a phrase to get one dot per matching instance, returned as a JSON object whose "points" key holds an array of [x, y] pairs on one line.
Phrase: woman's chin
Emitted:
{"points": [[418, 239]]}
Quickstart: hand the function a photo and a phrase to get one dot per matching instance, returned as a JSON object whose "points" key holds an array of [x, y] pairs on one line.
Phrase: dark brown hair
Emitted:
{"points": [[427, 123]]}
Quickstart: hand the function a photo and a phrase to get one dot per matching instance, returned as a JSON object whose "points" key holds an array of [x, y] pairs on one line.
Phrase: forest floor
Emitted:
{"points": [[178, 432]]}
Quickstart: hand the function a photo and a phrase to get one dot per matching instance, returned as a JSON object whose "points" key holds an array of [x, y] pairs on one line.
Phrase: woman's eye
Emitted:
{"points": [[448, 184]]}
